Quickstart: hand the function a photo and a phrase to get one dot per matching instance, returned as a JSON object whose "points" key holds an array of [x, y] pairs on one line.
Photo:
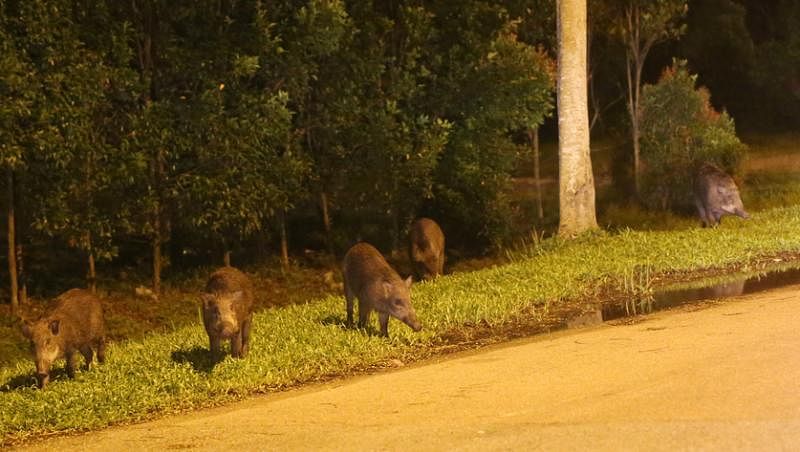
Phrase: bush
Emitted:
{"points": [[679, 131]]}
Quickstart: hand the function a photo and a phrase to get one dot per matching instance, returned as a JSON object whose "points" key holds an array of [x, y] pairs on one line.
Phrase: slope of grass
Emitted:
{"points": [[302, 343]]}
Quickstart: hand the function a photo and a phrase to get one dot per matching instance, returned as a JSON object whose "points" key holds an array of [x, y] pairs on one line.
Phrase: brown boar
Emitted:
{"points": [[426, 248], [74, 324], [715, 195], [228, 310], [368, 277]]}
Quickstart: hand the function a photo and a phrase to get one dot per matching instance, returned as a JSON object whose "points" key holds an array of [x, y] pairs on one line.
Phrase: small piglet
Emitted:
{"points": [[368, 277], [75, 323], [228, 310]]}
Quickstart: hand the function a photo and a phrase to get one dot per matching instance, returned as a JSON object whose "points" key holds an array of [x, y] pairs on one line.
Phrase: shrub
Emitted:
{"points": [[679, 131]]}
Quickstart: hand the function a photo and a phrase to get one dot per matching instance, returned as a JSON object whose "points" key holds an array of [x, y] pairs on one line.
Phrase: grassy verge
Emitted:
{"points": [[131, 318], [291, 345]]}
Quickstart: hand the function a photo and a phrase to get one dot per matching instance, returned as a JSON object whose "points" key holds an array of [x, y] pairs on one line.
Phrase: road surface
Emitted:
{"points": [[725, 377]]}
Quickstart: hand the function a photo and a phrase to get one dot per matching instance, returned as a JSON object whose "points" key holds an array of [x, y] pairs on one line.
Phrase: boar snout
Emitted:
{"points": [[742, 214], [413, 323], [227, 329], [42, 379]]}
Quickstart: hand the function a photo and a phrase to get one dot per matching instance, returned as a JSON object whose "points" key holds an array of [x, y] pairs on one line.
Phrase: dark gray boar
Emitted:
{"points": [[426, 248], [74, 324], [715, 195], [228, 310], [368, 277]]}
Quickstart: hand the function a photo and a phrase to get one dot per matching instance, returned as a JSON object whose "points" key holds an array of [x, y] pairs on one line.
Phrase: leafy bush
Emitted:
{"points": [[488, 99], [679, 131]]}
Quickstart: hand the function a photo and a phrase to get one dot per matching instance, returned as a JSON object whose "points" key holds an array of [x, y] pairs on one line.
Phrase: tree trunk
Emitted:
{"points": [[157, 174], [22, 279], [88, 196], [576, 182], [157, 258], [92, 275], [326, 221], [284, 242], [635, 54], [12, 254], [636, 153], [226, 257], [533, 136], [395, 231]]}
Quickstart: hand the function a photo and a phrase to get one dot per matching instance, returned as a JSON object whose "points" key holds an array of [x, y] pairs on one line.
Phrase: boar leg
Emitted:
{"points": [[714, 216], [88, 354], [246, 335], [363, 314], [236, 345], [101, 350], [383, 318], [71, 362], [348, 296], [701, 212], [214, 345]]}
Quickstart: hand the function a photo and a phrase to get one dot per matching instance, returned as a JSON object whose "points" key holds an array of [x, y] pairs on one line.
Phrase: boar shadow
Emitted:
{"points": [[341, 322], [201, 358], [334, 320], [29, 380]]}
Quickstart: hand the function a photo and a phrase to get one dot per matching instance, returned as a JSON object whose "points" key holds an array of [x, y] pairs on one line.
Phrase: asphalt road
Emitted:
{"points": [[725, 377]]}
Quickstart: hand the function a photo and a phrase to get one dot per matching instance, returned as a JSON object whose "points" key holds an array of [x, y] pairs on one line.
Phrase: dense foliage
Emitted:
{"points": [[171, 132], [154, 132], [680, 131]]}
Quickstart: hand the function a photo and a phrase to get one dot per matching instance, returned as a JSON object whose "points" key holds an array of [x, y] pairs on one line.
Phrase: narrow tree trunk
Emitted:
{"points": [[533, 136], [326, 221], [88, 196], [636, 153], [92, 275], [284, 242], [635, 54], [226, 257], [157, 174], [157, 258], [576, 182], [12, 255], [395, 230], [21, 271]]}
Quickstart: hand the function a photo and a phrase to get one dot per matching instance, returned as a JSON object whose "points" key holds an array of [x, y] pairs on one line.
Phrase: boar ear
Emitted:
{"points": [[408, 282], [54, 324], [26, 329], [236, 296], [387, 289]]}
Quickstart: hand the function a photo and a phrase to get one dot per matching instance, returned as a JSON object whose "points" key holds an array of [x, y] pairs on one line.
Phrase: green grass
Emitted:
{"points": [[170, 372], [765, 190], [131, 318]]}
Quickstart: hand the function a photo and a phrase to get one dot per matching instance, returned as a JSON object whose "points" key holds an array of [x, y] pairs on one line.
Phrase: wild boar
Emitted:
{"points": [[368, 277], [426, 248], [715, 195], [228, 310], [74, 324]]}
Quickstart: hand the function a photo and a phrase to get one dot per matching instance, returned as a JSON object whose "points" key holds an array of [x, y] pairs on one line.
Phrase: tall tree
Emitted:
{"points": [[492, 86], [642, 24], [576, 182]]}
